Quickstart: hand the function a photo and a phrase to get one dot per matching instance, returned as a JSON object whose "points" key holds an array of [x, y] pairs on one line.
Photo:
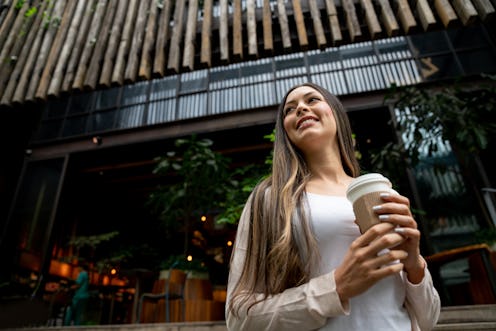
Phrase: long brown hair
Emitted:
{"points": [[277, 257]]}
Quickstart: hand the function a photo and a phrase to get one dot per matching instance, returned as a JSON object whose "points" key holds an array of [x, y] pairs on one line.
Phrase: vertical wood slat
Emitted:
{"points": [[134, 55], [6, 25], [70, 71], [91, 78], [267, 27], [224, 31], [445, 12], [388, 19], [300, 25], [46, 45], [89, 45], [113, 45], [206, 34], [53, 56], [21, 63], [485, 9], [406, 17], [162, 38], [145, 68], [332, 13], [371, 19], [465, 10], [26, 74], [190, 37], [125, 40], [11, 47], [251, 24], [425, 15], [237, 27], [173, 63], [351, 20], [317, 24], [283, 23], [65, 53]]}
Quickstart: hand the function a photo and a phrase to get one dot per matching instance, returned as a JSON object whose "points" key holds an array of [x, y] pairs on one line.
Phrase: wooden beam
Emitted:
{"points": [[445, 12], [113, 45], [134, 56], [371, 19], [224, 31], [190, 37], [283, 24], [175, 43], [145, 67], [300, 25], [237, 26], [162, 38], [485, 9], [334, 24], [388, 19], [267, 28], [466, 11], [352, 20], [317, 24], [251, 24], [425, 14], [406, 17], [206, 34]]}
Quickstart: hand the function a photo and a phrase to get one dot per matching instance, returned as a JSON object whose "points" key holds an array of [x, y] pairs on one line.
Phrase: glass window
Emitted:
{"points": [[257, 73], [102, 121], [57, 107], [135, 93], [49, 129], [161, 111], [438, 67], [468, 37], [477, 61], [163, 88], [324, 61], [107, 98], [74, 126], [393, 49], [430, 42], [193, 105], [222, 78], [358, 55], [194, 81], [81, 103], [130, 117], [290, 65]]}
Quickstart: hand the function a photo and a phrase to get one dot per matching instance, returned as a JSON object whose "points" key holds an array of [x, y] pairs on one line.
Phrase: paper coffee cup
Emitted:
{"points": [[364, 193]]}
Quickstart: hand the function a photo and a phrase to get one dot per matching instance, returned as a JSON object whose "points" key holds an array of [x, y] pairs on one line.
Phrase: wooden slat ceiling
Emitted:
{"points": [[52, 47]]}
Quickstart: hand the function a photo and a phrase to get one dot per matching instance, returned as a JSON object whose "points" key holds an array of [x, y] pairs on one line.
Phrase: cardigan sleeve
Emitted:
{"points": [[306, 307], [423, 302]]}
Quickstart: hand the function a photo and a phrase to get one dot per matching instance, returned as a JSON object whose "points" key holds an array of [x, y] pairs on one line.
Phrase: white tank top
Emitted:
{"points": [[380, 307]]}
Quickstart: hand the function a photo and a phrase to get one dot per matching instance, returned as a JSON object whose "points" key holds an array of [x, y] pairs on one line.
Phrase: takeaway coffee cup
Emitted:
{"points": [[364, 193]]}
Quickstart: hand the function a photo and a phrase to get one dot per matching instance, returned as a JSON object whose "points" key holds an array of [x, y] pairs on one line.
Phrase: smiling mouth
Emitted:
{"points": [[304, 121]]}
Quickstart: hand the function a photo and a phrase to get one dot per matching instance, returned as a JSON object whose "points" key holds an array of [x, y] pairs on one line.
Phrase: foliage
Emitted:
{"points": [[181, 262], [92, 241], [487, 236], [197, 178], [429, 118]]}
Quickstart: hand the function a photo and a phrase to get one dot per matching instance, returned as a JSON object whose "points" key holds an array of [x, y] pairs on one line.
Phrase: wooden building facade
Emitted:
{"points": [[92, 90]]}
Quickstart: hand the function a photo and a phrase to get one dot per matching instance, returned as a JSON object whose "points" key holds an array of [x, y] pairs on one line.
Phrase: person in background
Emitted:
{"points": [[299, 260], [76, 311]]}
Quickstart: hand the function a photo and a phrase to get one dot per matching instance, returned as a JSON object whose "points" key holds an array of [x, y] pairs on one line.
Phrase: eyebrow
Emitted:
{"points": [[304, 96]]}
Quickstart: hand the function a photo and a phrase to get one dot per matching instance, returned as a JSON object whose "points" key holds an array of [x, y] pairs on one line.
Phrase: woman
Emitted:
{"points": [[299, 260]]}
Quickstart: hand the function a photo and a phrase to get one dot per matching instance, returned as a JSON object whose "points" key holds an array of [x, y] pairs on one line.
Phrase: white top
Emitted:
{"points": [[380, 307]]}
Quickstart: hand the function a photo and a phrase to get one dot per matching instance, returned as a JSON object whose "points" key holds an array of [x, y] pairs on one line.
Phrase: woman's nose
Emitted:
{"points": [[301, 108]]}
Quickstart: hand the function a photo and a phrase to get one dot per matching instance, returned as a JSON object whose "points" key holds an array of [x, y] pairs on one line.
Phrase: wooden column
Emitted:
{"points": [[162, 38], [352, 20], [405, 15], [425, 14], [317, 24], [371, 19], [175, 43], [445, 12], [237, 27], [466, 11], [190, 37], [485, 9], [206, 34], [388, 19], [145, 67], [224, 31], [267, 27], [300, 25], [113, 45], [251, 25], [133, 58], [283, 23], [332, 13]]}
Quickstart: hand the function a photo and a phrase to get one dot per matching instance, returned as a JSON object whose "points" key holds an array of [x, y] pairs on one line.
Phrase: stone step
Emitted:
{"points": [[473, 318]]}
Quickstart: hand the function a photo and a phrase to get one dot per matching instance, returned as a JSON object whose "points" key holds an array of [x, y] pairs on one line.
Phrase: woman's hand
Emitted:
{"points": [[396, 211], [363, 266]]}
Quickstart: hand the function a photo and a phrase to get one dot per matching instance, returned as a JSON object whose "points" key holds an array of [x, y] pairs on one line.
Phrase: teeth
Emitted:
{"points": [[307, 120]]}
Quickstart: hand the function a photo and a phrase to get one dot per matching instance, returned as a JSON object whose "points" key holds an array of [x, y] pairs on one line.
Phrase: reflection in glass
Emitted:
{"points": [[107, 98]]}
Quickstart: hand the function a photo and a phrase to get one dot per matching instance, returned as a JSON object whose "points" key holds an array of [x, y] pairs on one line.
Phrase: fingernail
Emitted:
{"points": [[384, 194], [399, 230], [377, 207], [383, 217]]}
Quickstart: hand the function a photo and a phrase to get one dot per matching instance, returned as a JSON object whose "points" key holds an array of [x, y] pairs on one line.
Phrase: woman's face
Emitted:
{"points": [[308, 118]]}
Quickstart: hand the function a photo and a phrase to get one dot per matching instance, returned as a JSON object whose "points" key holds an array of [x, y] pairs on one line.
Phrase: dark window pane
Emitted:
{"points": [[49, 130], [107, 98], [103, 121], [437, 67], [221, 75], [477, 62], [163, 88], [74, 126], [467, 37], [256, 69], [194, 81], [81, 103], [57, 107], [430, 42], [290, 63], [132, 94]]}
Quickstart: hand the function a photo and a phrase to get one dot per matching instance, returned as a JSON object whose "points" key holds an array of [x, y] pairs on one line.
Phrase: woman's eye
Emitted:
{"points": [[288, 110], [313, 99]]}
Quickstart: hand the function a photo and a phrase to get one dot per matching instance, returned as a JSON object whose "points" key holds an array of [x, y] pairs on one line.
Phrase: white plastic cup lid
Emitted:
{"points": [[367, 183]]}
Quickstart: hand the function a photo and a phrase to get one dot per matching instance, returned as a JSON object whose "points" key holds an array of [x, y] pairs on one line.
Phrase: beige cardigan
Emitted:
{"points": [[308, 306]]}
